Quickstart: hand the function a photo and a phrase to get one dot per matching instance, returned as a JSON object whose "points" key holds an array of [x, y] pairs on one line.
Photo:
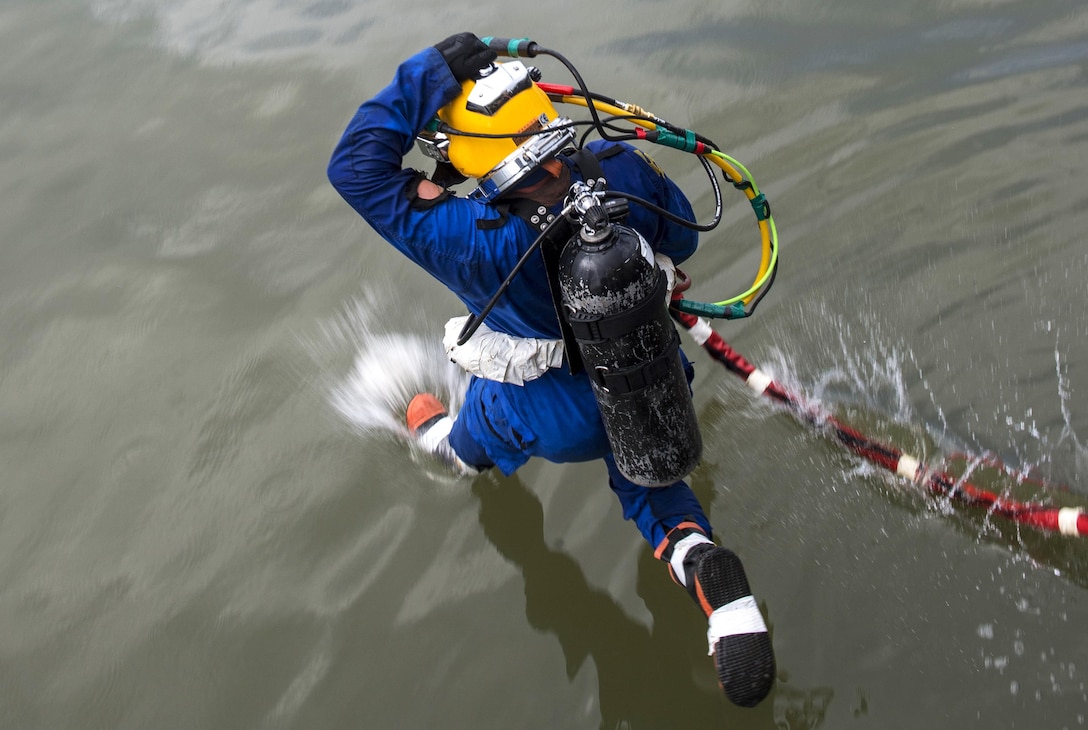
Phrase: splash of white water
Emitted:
{"points": [[871, 372], [1065, 394], [872, 377], [388, 369]]}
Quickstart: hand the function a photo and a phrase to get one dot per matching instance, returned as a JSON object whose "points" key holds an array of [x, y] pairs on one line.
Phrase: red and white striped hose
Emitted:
{"points": [[1064, 520]]}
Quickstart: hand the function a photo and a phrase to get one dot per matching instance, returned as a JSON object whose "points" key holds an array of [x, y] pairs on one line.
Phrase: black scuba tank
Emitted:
{"points": [[612, 294]]}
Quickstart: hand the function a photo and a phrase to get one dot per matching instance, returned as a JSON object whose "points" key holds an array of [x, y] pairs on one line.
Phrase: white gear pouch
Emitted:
{"points": [[501, 357]]}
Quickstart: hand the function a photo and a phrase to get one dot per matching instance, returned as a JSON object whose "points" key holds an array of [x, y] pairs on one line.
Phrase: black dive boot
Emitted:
{"points": [[737, 634]]}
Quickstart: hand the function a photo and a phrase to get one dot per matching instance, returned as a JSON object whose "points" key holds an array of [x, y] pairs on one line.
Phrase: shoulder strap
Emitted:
{"points": [[589, 163]]}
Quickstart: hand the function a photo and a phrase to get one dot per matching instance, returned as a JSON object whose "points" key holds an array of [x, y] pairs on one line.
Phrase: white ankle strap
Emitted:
{"points": [[680, 551], [440, 429], [742, 616], [435, 441]]}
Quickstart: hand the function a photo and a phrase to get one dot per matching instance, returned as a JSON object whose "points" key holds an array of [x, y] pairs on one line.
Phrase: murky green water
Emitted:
{"points": [[207, 520]]}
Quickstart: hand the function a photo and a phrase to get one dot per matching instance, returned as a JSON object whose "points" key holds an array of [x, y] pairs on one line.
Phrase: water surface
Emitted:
{"points": [[208, 518]]}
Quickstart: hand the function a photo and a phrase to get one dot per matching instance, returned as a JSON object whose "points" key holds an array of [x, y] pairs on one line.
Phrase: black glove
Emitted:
{"points": [[466, 55], [446, 175]]}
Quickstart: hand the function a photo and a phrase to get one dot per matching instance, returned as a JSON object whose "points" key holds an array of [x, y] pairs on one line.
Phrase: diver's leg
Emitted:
{"points": [[673, 522], [432, 426]]}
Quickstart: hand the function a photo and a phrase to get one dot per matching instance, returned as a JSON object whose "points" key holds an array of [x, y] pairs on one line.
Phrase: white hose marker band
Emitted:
{"points": [[1067, 520], [680, 551], [701, 331], [433, 436], [742, 616], [907, 467], [759, 381]]}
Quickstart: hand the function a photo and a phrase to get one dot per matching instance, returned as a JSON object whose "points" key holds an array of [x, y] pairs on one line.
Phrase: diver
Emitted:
{"points": [[527, 396]]}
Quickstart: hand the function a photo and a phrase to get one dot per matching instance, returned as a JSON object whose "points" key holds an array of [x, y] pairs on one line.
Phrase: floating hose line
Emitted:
{"points": [[1062, 520]]}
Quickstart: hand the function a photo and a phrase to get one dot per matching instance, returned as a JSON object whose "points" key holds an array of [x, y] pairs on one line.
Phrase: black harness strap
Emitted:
{"points": [[620, 382], [616, 325]]}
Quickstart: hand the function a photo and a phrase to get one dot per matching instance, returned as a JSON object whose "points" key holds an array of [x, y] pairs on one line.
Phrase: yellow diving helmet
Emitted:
{"points": [[504, 102]]}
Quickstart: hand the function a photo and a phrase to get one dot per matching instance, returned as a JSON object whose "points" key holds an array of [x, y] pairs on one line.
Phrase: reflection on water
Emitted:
{"points": [[636, 664]]}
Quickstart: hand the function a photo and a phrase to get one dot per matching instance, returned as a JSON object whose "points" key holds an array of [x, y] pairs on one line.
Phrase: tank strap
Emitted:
{"points": [[620, 382], [617, 325]]}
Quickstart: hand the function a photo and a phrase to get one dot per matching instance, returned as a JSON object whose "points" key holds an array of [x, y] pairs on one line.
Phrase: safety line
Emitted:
{"points": [[1063, 520]]}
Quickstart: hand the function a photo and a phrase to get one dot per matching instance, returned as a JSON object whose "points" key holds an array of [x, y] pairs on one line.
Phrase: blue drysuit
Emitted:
{"points": [[555, 416]]}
